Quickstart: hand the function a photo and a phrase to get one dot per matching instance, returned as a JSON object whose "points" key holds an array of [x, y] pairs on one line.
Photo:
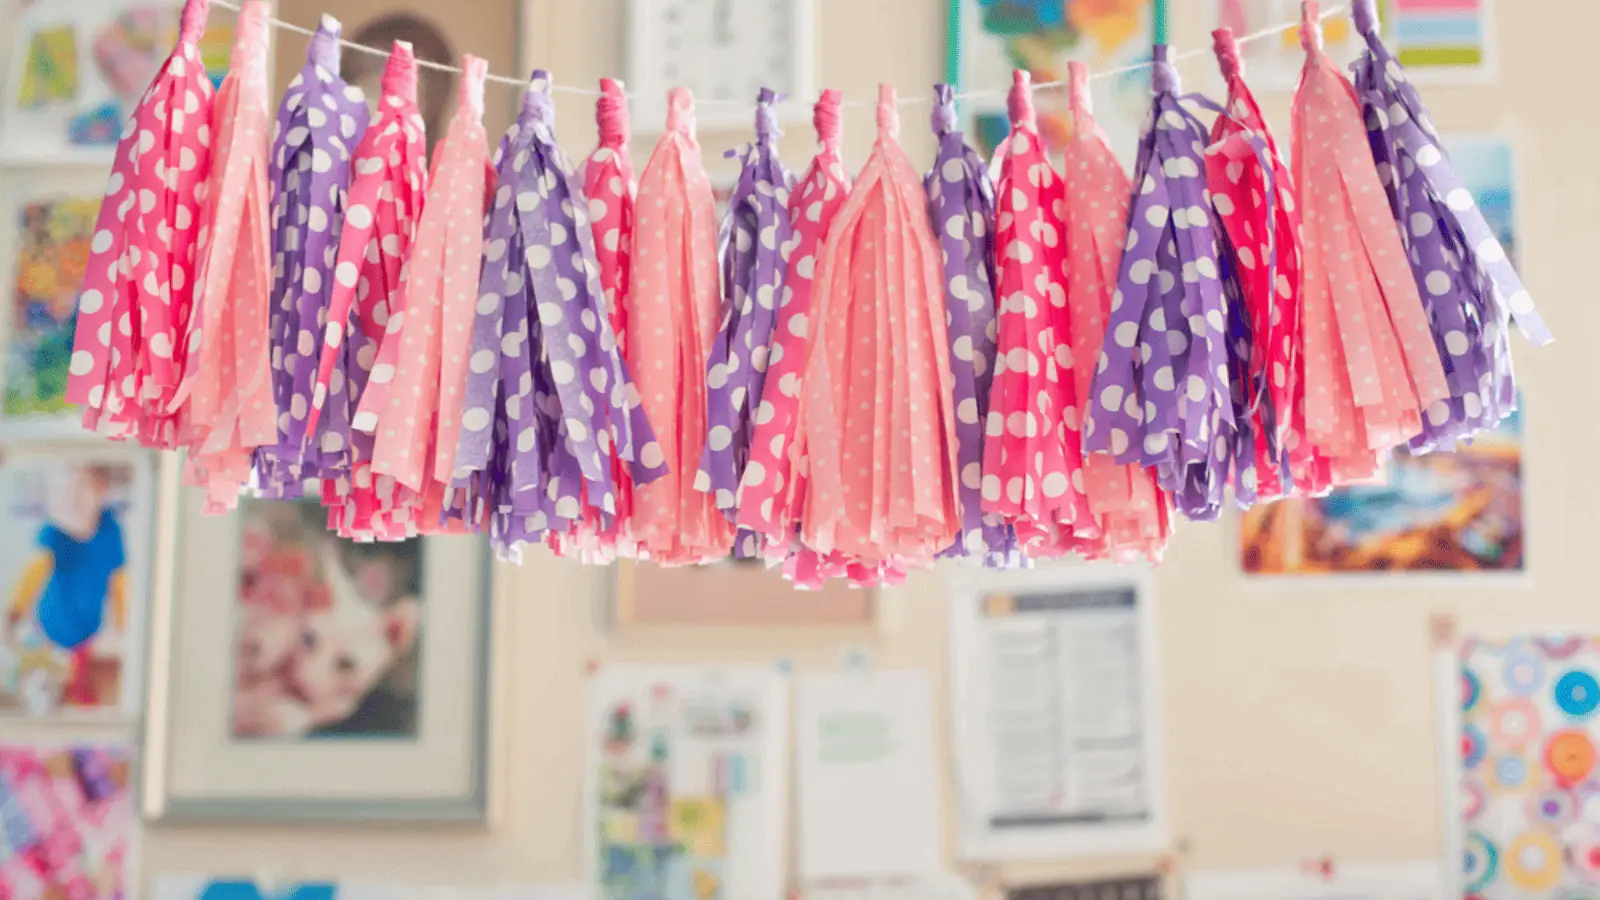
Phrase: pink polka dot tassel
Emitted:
{"points": [[1161, 395], [1253, 198], [672, 321], [1468, 285], [961, 204], [757, 239], [1134, 513], [320, 122], [385, 199], [1371, 367], [608, 183], [772, 490], [417, 405], [129, 352], [1033, 460], [225, 402], [878, 413], [549, 404]]}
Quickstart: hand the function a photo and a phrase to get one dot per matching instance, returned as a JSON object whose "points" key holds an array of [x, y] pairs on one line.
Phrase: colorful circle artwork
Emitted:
{"points": [[1553, 809], [1509, 774], [1533, 861], [1570, 756], [1577, 694], [1473, 746], [1514, 722], [1583, 853], [1472, 799], [1480, 863], [1558, 648], [1524, 670], [1471, 690]]}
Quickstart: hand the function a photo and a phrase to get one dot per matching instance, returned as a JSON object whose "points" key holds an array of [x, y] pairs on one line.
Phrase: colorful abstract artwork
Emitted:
{"points": [[1439, 37], [688, 784], [1461, 511], [1530, 795], [990, 38], [51, 249], [67, 819]]}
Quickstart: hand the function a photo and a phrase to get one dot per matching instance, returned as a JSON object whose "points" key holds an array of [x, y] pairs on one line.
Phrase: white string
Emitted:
{"points": [[1253, 36]]}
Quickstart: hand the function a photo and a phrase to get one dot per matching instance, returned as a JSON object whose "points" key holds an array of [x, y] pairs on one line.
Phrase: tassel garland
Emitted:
{"points": [[857, 378]]}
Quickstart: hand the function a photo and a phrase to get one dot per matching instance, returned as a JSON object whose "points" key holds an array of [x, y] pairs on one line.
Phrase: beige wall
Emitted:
{"points": [[1299, 721]]}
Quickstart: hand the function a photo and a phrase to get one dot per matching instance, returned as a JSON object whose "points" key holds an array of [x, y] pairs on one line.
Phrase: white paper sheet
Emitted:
{"points": [[1056, 713], [868, 783], [687, 783], [1411, 880]]}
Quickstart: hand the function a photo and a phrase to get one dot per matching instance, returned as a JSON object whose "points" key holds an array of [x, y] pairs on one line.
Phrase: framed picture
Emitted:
{"points": [[351, 683], [986, 40], [733, 593], [75, 571], [1056, 711], [70, 823], [45, 235]]}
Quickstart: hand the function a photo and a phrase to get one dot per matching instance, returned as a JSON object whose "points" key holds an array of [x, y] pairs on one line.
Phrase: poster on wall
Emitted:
{"points": [[1443, 41], [868, 781], [1056, 713], [79, 66], [75, 529], [1521, 719], [67, 821], [687, 787], [351, 684], [1441, 513], [988, 39], [45, 238]]}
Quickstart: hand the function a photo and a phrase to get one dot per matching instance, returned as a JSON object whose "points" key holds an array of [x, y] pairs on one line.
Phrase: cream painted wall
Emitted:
{"points": [[1299, 720]]}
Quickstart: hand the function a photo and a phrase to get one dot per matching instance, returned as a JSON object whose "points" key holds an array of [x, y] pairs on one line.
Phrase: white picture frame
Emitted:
{"points": [[198, 770], [986, 830]]}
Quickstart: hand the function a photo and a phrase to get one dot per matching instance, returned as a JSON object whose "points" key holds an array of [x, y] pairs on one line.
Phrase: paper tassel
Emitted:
{"points": [[1134, 513], [417, 407], [129, 353], [385, 199], [1253, 198], [1032, 456], [672, 319], [548, 401], [320, 122], [755, 244], [1469, 288], [961, 205], [1370, 362], [773, 486], [1160, 394], [608, 184], [878, 414], [225, 398]]}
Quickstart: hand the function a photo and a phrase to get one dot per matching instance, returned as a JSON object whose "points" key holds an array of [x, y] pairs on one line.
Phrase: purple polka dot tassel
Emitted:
{"points": [[547, 400], [755, 243], [1470, 290], [1161, 394], [961, 206], [320, 122]]}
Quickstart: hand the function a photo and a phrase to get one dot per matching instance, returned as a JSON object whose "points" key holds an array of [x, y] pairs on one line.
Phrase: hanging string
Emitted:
{"points": [[997, 93]]}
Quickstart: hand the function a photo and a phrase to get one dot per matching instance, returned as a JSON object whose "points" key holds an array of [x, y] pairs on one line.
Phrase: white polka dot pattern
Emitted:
{"points": [[672, 310], [130, 352], [225, 398], [878, 413], [1370, 363]]}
